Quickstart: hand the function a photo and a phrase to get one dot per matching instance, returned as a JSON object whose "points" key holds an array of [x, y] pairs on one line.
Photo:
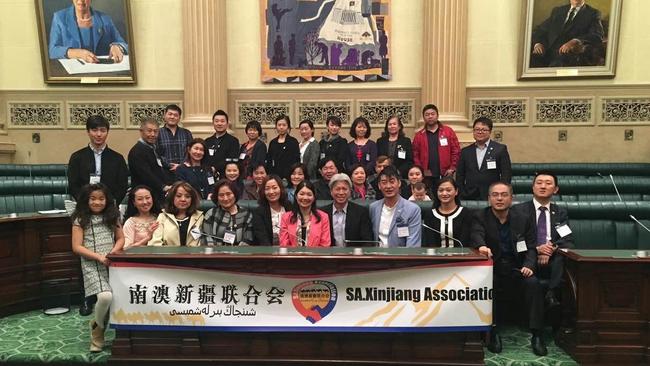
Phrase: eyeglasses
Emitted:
{"points": [[481, 130]]}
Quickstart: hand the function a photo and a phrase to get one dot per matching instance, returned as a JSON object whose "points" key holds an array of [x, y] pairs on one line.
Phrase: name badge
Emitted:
{"points": [[403, 231], [242, 156], [196, 233], [229, 237], [210, 180], [211, 152], [563, 230], [521, 246], [491, 164], [94, 179], [367, 157], [322, 155], [159, 162], [443, 141], [401, 154]]}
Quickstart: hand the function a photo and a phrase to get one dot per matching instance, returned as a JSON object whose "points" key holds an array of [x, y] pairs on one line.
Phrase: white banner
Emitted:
{"points": [[448, 297]]}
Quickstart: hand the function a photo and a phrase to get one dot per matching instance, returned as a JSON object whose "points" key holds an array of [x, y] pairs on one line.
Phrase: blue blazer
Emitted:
{"points": [[64, 34], [407, 213]]}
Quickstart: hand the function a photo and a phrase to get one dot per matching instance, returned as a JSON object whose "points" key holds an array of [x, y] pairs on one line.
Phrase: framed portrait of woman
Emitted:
{"points": [[86, 41], [569, 38]]}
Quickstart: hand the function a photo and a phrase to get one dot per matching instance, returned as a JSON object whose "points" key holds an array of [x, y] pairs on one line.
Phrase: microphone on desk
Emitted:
{"points": [[376, 242], [197, 234], [443, 234], [640, 223], [611, 177]]}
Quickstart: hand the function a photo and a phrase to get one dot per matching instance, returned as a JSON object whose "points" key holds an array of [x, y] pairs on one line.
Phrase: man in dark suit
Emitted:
{"points": [[349, 223], [552, 231], [563, 38], [97, 163], [328, 169], [145, 162], [482, 163], [509, 238]]}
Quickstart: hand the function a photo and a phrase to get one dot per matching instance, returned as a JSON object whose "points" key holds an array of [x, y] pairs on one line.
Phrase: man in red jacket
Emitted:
{"points": [[435, 147]]}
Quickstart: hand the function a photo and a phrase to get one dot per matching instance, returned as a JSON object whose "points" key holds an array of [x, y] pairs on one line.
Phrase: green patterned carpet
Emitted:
{"points": [[38, 338], [517, 351], [35, 337]]}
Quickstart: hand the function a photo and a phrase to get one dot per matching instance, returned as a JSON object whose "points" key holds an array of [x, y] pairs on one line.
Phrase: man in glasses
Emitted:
{"points": [[508, 237], [482, 163]]}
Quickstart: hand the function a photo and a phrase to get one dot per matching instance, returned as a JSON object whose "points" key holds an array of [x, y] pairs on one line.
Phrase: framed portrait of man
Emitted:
{"points": [[86, 41], [569, 38]]}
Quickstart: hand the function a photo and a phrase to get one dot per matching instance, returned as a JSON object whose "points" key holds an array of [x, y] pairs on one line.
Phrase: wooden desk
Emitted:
{"points": [[610, 291], [34, 248], [294, 348]]}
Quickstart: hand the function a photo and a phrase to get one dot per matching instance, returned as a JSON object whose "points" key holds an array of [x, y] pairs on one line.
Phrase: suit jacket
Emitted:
{"points": [[357, 225], [64, 34], [263, 225], [485, 232], [473, 180], [310, 158], [115, 174], [258, 156], [406, 214], [559, 217], [586, 26], [403, 143], [336, 149], [167, 233], [448, 154], [319, 232], [145, 169], [280, 157]]}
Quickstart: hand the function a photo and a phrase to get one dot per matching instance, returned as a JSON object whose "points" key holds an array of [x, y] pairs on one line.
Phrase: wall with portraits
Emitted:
{"points": [[580, 113]]}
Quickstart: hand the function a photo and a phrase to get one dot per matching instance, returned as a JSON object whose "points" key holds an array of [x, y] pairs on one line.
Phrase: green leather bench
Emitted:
{"points": [[34, 170], [582, 169]]}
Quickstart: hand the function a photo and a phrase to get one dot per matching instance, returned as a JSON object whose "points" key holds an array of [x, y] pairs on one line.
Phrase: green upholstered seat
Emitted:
{"points": [[584, 169]]}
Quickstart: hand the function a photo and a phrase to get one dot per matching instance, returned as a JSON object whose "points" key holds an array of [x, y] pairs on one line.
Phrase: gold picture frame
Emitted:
{"points": [[574, 44], [98, 52]]}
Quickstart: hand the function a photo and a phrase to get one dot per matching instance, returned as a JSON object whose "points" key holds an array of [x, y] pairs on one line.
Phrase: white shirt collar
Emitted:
{"points": [[538, 205]]}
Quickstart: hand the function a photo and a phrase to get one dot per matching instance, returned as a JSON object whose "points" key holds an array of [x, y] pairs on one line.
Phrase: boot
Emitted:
{"points": [[96, 337]]}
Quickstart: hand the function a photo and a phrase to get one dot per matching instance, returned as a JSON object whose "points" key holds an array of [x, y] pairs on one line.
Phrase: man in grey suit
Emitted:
{"points": [[396, 222], [482, 163]]}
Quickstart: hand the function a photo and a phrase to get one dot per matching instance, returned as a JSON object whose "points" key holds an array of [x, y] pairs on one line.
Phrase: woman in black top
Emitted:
{"points": [[333, 146], [283, 150], [395, 145], [273, 203], [447, 216], [194, 172]]}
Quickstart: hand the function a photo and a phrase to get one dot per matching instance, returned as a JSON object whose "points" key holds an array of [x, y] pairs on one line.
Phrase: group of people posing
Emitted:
{"points": [[171, 172]]}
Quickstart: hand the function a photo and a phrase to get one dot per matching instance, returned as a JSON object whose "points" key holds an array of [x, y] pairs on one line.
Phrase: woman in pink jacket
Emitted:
{"points": [[305, 225]]}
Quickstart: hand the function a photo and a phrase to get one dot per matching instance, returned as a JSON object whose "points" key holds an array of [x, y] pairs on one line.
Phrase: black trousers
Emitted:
{"points": [[553, 271], [512, 291]]}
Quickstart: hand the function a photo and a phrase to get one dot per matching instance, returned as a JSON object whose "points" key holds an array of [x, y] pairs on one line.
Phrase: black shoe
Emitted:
{"points": [[495, 345], [85, 309], [539, 348], [550, 300]]}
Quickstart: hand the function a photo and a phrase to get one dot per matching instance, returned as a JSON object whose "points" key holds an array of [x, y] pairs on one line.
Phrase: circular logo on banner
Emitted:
{"points": [[314, 299]]}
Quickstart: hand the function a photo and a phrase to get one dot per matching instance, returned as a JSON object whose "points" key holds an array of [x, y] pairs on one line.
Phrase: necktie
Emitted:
{"points": [[541, 226], [572, 14]]}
